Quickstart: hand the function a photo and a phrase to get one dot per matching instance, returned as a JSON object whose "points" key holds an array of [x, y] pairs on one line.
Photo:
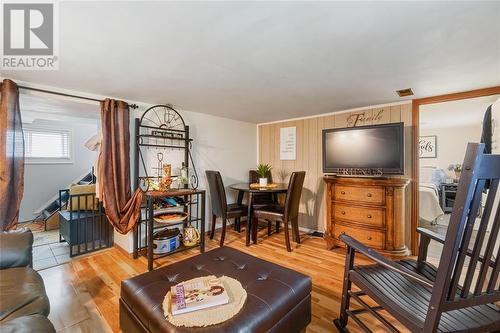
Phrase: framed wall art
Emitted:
{"points": [[427, 146]]}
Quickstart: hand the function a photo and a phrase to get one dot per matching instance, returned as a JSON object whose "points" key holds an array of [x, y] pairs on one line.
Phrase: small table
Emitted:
{"points": [[448, 194], [243, 188]]}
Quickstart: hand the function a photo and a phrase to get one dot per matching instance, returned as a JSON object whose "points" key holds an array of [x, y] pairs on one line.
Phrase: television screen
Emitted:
{"points": [[367, 147]]}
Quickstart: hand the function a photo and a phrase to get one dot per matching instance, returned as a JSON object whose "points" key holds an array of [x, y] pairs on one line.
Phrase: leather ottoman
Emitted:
{"points": [[278, 299]]}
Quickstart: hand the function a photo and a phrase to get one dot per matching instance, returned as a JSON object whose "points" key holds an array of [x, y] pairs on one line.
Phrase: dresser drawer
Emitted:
{"points": [[370, 216], [373, 195], [371, 238]]}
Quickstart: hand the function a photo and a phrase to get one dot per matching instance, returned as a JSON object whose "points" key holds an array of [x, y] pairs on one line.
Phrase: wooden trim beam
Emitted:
{"points": [[416, 103]]}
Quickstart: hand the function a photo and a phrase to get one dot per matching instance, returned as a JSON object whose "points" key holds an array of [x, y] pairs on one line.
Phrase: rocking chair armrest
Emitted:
{"points": [[383, 261], [431, 234]]}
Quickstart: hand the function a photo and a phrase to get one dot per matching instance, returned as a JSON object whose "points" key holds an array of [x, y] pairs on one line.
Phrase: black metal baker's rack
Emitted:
{"points": [[162, 129]]}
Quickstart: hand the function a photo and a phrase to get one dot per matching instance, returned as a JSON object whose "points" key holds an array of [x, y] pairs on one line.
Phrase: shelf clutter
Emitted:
{"points": [[173, 211]]}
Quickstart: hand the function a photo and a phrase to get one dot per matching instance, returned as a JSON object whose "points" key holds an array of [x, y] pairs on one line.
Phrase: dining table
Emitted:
{"points": [[254, 190]]}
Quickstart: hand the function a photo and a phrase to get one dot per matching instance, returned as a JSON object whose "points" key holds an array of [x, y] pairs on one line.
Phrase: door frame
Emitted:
{"points": [[415, 110]]}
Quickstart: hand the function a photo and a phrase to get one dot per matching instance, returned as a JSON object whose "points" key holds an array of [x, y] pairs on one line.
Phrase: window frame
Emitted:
{"points": [[50, 160]]}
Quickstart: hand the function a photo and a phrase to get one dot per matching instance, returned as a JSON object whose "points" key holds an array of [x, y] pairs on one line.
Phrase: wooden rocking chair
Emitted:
{"points": [[459, 295]]}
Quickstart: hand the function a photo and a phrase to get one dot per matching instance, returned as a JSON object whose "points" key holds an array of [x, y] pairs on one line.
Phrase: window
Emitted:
{"points": [[44, 145]]}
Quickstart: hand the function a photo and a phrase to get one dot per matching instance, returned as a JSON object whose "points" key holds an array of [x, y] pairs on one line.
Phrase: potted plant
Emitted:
{"points": [[263, 170], [457, 169]]}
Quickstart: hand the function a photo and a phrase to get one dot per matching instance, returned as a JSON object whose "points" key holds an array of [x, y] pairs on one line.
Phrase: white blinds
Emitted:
{"points": [[46, 143]]}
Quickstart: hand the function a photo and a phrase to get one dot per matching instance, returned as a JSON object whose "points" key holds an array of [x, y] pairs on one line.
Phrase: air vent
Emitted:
{"points": [[405, 92]]}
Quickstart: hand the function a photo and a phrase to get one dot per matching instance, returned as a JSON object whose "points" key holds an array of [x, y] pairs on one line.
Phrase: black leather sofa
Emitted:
{"points": [[24, 305]]}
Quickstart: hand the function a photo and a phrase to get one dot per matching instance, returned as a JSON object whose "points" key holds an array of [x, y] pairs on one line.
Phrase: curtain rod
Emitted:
{"points": [[132, 106]]}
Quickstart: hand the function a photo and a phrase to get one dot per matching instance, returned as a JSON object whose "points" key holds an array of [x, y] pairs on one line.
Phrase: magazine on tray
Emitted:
{"points": [[197, 294]]}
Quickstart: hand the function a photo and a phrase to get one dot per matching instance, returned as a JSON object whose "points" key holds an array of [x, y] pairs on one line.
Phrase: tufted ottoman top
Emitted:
{"points": [[274, 292]]}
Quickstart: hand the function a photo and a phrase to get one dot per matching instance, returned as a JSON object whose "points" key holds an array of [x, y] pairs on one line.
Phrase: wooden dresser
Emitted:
{"points": [[372, 210]]}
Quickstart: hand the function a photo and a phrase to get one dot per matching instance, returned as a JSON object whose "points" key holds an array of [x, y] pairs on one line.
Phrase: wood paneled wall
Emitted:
{"points": [[312, 210]]}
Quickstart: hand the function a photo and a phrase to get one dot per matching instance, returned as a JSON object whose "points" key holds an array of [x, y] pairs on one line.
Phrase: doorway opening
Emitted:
{"points": [[445, 128], [61, 139]]}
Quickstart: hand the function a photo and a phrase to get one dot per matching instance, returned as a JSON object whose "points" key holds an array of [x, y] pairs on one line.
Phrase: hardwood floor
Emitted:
{"points": [[84, 293]]}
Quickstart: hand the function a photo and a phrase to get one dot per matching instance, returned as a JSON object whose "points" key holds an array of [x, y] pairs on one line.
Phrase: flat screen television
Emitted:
{"points": [[378, 148]]}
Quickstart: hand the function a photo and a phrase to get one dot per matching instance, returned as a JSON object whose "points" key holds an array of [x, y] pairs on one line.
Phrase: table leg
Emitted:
{"points": [[249, 219], [255, 227], [136, 237], [202, 227], [150, 234], [240, 197]]}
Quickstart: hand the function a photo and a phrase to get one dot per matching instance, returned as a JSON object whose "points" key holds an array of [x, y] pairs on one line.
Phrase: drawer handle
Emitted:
{"points": [[369, 216], [369, 195], [342, 192], [343, 212], [369, 237]]}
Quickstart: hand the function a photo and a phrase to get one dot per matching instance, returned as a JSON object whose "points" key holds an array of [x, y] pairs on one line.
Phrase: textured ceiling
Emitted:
{"points": [[264, 61]]}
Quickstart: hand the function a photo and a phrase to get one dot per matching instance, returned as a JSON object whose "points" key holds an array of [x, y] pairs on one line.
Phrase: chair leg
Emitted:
{"points": [[239, 224], [287, 237], [255, 227], [212, 232], [248, 230], [235, 225], [277, 227], [223, 235], [269, 227], [341, 322], [295, 226]]}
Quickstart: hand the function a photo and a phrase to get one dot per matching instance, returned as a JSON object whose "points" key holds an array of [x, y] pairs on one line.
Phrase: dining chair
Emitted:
{"points": [[458, 295], [220, 208], [287, 214], [263, 199]]}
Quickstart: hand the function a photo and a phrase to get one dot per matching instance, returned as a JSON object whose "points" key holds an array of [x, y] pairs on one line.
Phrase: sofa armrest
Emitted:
{"points": [[16, 248]]}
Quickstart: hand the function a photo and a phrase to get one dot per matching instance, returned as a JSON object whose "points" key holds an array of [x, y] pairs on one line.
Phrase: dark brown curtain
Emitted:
{"points": [[122, 209], [11, 155]]}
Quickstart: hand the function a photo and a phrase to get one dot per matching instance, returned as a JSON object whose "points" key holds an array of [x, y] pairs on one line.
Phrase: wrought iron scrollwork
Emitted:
{"points": [[161, 126]]}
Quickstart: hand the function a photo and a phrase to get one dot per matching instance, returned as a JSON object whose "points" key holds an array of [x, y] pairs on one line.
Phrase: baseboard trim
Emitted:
{"points": [[123, 251], [314, 232]]}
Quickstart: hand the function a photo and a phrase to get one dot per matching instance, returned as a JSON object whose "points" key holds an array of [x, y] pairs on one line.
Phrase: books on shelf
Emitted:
{"points": [[197, 294]]}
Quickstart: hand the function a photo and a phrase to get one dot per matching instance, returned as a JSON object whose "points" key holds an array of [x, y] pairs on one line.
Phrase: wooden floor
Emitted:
{"points": [[84, 293]]}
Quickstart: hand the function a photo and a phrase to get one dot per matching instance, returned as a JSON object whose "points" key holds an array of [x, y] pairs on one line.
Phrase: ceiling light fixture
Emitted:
{"points": [[405, 92]]}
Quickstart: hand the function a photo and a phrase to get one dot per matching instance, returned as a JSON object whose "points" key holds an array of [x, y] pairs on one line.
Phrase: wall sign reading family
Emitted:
{"points": [[427, 146], [288, 143], [362, 118]]}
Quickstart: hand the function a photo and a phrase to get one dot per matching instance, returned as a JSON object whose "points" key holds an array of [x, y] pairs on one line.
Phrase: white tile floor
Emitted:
{"points": [[49, 255]]}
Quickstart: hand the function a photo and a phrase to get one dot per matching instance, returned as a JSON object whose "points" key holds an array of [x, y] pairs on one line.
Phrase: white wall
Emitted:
{"points": [[451, 145], [43, 181]]}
